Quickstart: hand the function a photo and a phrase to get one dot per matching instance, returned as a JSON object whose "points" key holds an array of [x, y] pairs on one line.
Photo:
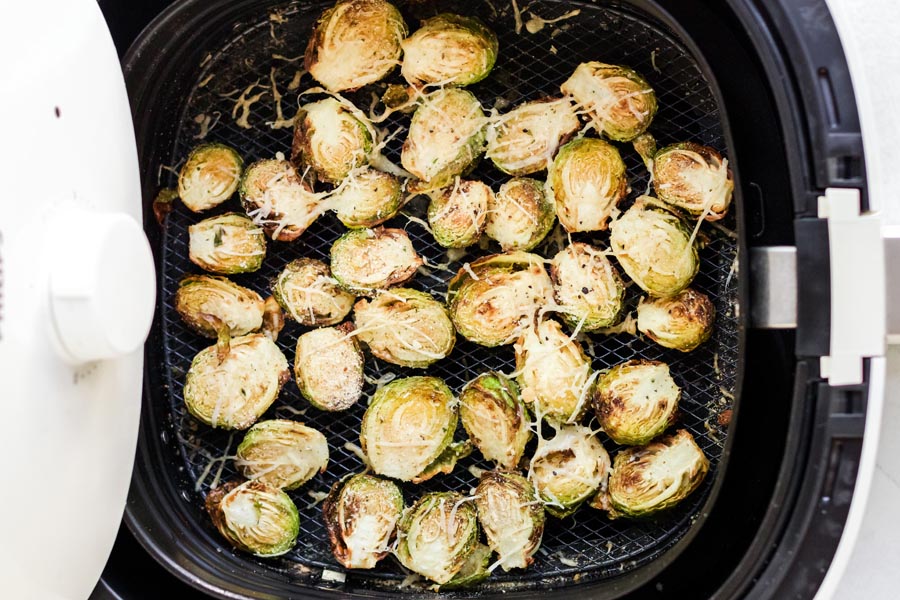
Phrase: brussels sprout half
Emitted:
{"points": [[495, 297], [254, 517], [651, 478], [586, 181], [227, 244], [693, 178], [233, 392], [330, 140], [366, 260], [512, 517], [201, 296], [682, 322], [328, 366], [474, 570], [282, 453], [526, 139], [437, 535], [620, 102], [457, 213], [408, 425], [307, 292], [209, 177], [278, 199], [355, 43], [495, 418], [568, 469], [519, 215], [587, 287], [405, 327], [361, 515], [654, 248], [445, 138], [367, 198], [554, 374], [449, 50], [636, 401]]}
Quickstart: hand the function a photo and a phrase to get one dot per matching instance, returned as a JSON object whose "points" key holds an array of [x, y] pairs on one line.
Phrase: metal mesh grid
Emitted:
{"points": [[529, 66]]}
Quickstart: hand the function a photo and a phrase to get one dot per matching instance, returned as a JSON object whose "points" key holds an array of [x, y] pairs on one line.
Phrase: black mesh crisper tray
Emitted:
{"points": [[529, 66]]}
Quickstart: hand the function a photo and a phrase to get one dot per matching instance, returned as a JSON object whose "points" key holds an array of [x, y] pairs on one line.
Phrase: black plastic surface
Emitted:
{"points": [[803, 555], [814, 289]]}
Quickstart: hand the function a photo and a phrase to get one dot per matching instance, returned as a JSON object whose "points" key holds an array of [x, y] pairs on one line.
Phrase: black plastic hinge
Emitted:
{"points": [[813, 287]]}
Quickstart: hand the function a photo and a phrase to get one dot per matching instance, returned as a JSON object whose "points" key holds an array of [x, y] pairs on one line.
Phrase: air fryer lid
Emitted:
{"points": [[76, 297], [221, 55]]}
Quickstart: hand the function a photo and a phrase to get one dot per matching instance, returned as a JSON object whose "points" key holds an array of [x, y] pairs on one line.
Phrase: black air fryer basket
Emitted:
{"points": [[206, 56]]}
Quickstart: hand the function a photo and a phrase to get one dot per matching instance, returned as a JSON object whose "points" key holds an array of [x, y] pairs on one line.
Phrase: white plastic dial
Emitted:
{"points": [[101, 285]]}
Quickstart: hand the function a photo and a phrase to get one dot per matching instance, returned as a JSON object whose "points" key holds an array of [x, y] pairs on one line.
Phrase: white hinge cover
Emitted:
{"points": [[856, 254]]}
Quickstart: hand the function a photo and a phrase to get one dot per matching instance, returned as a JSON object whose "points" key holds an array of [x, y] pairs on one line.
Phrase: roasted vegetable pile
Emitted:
{"points": [[563, 431]]}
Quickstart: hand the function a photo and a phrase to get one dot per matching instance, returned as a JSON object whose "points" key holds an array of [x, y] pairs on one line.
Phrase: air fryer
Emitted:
{"points": [[763, 81]]}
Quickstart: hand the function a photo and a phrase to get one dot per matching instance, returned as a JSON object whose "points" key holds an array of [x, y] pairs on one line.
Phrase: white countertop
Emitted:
{"points": [[868, 31]]}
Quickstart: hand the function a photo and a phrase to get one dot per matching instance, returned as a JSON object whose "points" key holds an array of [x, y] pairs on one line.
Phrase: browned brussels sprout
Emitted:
{"points": [[681, 322], [636, 401], [361, 515], [355, 43]]}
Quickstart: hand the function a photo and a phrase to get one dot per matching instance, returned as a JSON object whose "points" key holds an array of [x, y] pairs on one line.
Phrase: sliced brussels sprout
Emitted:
{"points": [[693, 178], [512, 517], [368, 198], [437, 535], [655, 248], [227, 244], [307, 292], [495, 418], [355, 43], [273, 318], [366, 260], [457, 213], [209, 177], [520, 215], [445, 138], [254, 517], [636, 401], [407, 426], [645, 146], [651, 478], [587, 287], [198, 296], [163, 204], [682, 322], [474, 570], [282, 453], [554, 373], [446, 462], [586, 181], [620, 102], [449, 50], [496, 297], [568, 469], [330, 140], [526, 139], [233, 392], [278, 199], [405, 327], [328, 366], [361, 515]]}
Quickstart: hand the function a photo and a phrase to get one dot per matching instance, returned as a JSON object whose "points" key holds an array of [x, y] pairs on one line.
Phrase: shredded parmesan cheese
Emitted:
{"points": [[244, 103], [356, 450], [536, 23]]}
